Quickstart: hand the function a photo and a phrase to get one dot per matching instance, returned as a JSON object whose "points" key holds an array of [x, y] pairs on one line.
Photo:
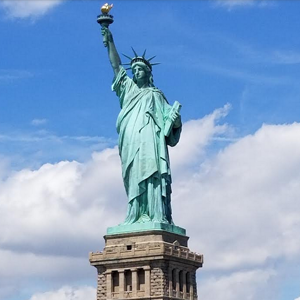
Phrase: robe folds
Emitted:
{"points": [[143, 150]]}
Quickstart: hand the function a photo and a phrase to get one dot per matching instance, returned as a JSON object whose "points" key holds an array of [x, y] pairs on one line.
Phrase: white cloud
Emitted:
{"points": [[286, 57], [11, 75], [238, 285], [242, 211], [28, 8], [230, 4], [49, 267], [247, 76], [20, 270], [52, 217], [67, 197], [67, 293], [245, 201], [233, 3], [4, 166], [58, 212], [32, 149], [196, 136], [240, 208], [45, 136], [38, 122], [55, 206]]}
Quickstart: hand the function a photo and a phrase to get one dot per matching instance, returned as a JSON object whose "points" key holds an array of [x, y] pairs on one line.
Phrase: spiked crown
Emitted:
{"points": [[142, 59]]}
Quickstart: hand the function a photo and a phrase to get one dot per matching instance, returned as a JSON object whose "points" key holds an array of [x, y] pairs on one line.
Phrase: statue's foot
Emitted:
{"points": [[144, 219], [164, 221]]}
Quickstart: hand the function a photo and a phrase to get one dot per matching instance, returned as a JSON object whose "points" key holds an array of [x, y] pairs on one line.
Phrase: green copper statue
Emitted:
{"points": [[146, 125]]}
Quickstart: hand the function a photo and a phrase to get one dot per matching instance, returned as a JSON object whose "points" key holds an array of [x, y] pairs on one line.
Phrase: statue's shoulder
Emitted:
{"points": [[121, 78], [159, 93]]}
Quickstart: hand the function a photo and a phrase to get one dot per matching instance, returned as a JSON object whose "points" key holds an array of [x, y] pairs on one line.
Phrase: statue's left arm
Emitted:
{"points": [[174, 136], [175, 118]]}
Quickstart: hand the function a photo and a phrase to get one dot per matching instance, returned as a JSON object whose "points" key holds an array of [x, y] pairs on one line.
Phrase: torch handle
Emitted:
{"points": [[105, 37]]}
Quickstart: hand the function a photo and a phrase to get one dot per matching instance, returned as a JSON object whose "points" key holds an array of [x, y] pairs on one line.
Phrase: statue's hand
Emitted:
{"points": [[176, 119], [107, 36]]}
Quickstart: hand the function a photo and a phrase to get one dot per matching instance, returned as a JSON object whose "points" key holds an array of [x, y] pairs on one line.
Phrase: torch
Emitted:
{"points": [[105, 19]]}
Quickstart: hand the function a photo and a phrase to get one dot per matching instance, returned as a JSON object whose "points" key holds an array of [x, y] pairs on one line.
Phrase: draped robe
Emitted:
{"points": [[143, 150]]}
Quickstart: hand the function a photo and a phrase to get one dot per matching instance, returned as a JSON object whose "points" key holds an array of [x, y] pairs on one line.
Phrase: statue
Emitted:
{"points": [[146, 125]]}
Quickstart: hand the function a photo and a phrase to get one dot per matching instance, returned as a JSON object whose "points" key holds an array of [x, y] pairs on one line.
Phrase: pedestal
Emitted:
{"points": [[146, 265]]}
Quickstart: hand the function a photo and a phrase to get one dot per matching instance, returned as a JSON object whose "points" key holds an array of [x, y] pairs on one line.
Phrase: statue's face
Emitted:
{"points": [[139, 73]]}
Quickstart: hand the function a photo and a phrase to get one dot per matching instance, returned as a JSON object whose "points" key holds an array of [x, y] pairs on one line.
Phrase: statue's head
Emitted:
{"points": [[141, 62], [142, 72]]}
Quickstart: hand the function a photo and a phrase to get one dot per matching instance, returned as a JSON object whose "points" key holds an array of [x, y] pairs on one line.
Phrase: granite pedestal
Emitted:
{"points": [[154, 264]]}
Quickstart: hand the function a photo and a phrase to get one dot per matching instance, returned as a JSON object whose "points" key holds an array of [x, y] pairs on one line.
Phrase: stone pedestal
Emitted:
{"points": [[146, 265]]}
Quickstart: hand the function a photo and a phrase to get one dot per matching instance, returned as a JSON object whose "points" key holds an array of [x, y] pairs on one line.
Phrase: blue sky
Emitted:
{"points": [[234, 66]]}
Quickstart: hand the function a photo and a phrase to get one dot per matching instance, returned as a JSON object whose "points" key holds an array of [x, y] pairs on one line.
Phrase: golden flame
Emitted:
{"points": [[106, 8]]}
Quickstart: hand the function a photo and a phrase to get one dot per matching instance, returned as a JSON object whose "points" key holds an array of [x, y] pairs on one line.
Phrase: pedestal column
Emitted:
{"points": [[147, 281], [121, 284], [134, 282], [184, 285], [170, 283], [108, 285], [191, 287], [177, 283]]}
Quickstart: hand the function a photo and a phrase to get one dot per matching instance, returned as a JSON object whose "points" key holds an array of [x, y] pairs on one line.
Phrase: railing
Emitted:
{"points": [[147, 249], [128, 294]]}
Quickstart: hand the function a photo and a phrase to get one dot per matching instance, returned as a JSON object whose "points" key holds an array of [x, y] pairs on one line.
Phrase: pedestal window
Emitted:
{"points": [[115, 282], [141, 279], [188, 282], [174, 279], [181, 281], [128, 280]]}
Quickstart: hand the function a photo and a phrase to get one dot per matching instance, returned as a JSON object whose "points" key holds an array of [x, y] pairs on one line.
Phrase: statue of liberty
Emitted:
{"points": [[146, 125]]}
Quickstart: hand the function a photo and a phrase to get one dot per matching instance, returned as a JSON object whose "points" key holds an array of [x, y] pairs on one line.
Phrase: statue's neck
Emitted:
{"points": [[143, 84]]}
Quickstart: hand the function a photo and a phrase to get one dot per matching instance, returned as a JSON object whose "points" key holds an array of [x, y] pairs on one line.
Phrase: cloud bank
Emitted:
{"points": [[231, 4], [67, 293], [27, 8], [241, 212]]}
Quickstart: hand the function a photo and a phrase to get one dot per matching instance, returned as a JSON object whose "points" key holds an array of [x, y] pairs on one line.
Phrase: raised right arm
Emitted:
{"points": [[113, 55]]}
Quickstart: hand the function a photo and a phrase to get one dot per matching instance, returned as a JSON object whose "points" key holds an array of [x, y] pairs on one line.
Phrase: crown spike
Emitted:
{"points": [[151, 58], [127, 56], [136, 55], [138, 58]]}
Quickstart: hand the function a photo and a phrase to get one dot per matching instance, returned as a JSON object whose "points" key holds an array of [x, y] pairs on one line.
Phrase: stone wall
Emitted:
{"points": [[159, 279], [169, 268], [101, 283]]}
